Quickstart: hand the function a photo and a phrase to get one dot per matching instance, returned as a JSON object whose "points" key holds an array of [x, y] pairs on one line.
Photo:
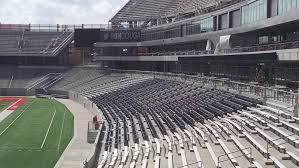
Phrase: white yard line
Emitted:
{"points": [[58, 148], [45, 138], [16, 118]]}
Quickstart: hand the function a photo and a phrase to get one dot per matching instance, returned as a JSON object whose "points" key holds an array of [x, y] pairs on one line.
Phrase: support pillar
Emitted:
{"points": [[265, 96], [296, 107]]}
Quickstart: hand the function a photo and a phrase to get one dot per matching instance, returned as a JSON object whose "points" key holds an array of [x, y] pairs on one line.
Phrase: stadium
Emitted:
{"points": [[164, 84]]}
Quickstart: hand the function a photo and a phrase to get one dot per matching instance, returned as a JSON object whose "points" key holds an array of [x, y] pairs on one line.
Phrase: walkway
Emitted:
{"points": [[78, 149]]}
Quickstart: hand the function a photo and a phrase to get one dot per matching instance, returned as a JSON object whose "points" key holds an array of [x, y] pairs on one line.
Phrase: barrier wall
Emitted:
{"points": [[16, 92], [86, 104], [59, 93], [91, 160], [31, 92]]}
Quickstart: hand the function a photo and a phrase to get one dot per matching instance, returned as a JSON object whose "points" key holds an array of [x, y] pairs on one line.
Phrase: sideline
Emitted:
{"points": [[50, 125], [58, 147]]}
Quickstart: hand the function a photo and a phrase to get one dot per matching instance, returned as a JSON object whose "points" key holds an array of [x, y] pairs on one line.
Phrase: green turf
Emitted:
{"points": [[21, 144], [4, 105]]}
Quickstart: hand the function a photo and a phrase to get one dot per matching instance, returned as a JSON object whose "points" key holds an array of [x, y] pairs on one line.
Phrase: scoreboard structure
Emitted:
{"points": [[86, 37]]}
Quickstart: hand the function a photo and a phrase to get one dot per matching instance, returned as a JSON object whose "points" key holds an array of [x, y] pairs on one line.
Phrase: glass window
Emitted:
{"points": [[294, 4], [246, 14], [264, 16], [250, 13], [242, 14], [254, 11], [258, 11], [287, 5], [279, 6]]}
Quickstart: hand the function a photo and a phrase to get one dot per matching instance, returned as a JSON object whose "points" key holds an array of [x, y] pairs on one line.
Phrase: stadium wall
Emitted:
{"points": [[91, 161], [16, 92], [85, 103]]}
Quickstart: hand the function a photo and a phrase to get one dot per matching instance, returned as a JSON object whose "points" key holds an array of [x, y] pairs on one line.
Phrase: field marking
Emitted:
{"points": [[50, 125], [9, 148], [16, 118], [58, 147], [11, 105]]}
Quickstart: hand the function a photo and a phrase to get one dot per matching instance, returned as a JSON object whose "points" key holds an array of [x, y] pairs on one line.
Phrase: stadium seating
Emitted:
{"points": [[27, 43], [156, 109], [153, 122], [27, 77]]}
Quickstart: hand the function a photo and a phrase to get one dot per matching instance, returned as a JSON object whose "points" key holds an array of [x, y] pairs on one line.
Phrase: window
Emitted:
{"points": [[254, 12], [201, 26], [287, 5]]}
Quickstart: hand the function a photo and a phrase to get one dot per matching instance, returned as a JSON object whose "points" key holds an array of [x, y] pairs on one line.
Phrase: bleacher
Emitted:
{"points": [[85, 79], [151, 110], [26, 77], [30, 43], [153, 122]]}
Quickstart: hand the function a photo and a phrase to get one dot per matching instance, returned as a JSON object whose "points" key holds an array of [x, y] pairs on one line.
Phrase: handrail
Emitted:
{"points": [[240, 150], [269, 143], [54, 80], [38, 81], [242, 124], [264, 47], [63, 44], [192, 164], [262, 92], [257, 48]]}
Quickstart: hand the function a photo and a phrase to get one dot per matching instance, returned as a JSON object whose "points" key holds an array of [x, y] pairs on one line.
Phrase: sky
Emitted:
{"points": [[58, 11]]}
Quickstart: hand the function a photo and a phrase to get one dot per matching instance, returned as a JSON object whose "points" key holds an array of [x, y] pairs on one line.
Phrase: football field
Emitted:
{"points": [[35, 135]]}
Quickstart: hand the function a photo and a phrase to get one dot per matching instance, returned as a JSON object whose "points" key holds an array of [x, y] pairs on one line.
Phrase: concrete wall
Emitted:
{"points": [[91, 160], [86, 104], [58, 92], [16, 92]]}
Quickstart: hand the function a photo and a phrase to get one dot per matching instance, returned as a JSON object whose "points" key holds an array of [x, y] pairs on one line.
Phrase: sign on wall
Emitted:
{"points": [[121, 35]]}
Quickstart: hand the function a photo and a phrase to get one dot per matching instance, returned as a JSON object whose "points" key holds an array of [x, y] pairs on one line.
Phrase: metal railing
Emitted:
{"points": [[257, 48], [177, 53], [61, 27], [277, 145], [226, 155], [264, 93], [264, 47]]}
